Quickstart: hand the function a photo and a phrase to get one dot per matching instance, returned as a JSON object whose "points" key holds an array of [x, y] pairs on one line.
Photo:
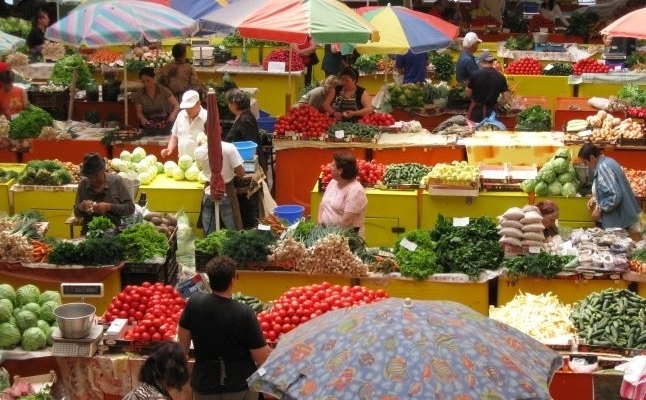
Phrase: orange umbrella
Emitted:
{"points": [[630, 25]]}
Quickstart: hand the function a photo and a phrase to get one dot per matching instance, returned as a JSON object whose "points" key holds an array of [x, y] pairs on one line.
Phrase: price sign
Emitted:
{"points": [[263, 227], [408, 245], [81, 289], [340, 134], [534, 249], [460, 221]]}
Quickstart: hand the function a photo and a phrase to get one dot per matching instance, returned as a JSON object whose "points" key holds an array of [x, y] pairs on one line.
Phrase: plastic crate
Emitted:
{"points": [[266, 121], [201, 259], [55, 103], [166, 272]]}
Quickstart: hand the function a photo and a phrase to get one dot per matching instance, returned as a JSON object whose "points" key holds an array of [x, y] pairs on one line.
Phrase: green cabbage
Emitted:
{"points": [[33, 339], [33, 307], [47, 330], [125, 155], [564, 153], [27, 294], [138, 154], [192, 172], [560, 165], [160, 167], [169, 167], [555, 188], [49, 295], [5, 310], [47, 311], [541, 189], [565, 178], [568, 190], [528, 185], [9, 335], [178, 174], [25, 320], [185, 161], [547, 174], [7, 292]]}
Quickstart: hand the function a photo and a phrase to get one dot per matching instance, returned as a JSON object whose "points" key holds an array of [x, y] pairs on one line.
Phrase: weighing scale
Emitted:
{"points": [[618, 51], [84, 347], [87, 346], [250, 166]]}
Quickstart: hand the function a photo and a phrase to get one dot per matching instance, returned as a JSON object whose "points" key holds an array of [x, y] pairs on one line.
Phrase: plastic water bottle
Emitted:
{"points": [[243, 56]]}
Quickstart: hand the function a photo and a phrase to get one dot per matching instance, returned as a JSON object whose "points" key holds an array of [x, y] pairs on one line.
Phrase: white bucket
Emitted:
{"points": [[133, 187]]}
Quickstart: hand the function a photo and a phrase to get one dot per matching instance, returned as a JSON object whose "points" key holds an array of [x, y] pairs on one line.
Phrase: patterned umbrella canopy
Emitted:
{"points": [[407, 349], [9, 43], [291, 21], [97, 23], [194, 8], [630, 25], [402, 29]]}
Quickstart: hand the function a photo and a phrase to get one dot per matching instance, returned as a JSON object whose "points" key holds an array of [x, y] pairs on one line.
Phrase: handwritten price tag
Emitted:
{"points": [[460, 221], [340, 134], [408, 245], [263, 227]]}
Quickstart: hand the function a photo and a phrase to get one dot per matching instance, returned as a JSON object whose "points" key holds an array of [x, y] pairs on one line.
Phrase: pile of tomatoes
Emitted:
{"points": [[370, 172], [589, 65], [153, 309], [524, 66], [305, 120], [378, 119], [538, 21], [300, 304]]}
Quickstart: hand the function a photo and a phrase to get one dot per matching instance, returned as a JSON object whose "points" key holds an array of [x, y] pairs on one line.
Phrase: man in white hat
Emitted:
{"points": [[466, 63], [189, 127]]}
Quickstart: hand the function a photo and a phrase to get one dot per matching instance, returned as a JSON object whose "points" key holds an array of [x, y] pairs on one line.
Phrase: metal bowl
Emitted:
{"points": [[75, 319]]}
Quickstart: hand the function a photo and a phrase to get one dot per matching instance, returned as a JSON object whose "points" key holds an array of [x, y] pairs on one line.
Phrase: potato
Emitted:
{"points": [[150, 215], [172, 221], [164, 221], [156, 220]]}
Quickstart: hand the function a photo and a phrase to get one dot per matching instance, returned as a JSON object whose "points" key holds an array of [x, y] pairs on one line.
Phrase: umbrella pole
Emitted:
{"points": [[288, 96], [125, 84], [70, 107], [216, 205]]}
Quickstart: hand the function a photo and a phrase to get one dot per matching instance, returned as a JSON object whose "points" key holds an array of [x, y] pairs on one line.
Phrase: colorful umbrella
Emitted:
{"points": [[111, 22], [97, 23], [291, 21], [630, 25], [195, 8], [401, 29], [396, 349], [214, 140], [9, 43]]}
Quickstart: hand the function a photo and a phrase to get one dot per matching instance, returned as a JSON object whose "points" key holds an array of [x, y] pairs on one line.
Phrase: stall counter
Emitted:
{"points": [[278, 90]]}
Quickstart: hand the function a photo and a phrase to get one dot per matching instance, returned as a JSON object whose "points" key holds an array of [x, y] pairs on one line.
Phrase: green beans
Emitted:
{"points": [[612, 318]]}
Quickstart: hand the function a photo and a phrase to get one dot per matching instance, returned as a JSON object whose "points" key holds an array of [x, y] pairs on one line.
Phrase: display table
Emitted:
{"points": [[50, 277], [106, 111], [40, 71], [605, 85], [71, 150]]}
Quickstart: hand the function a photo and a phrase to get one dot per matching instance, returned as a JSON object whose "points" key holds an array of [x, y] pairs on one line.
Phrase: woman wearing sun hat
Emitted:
{"points": [[101, 193]]}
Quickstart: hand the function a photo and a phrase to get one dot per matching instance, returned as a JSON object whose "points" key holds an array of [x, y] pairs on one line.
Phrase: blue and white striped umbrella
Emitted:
{"points": [[9, 43]]}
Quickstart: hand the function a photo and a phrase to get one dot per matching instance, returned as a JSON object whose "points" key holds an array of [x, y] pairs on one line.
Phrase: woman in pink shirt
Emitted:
{"points": [[344, 202]]}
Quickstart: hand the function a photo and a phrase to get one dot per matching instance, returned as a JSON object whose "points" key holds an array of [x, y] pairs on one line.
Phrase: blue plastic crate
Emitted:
{"points": [[266, 121]]}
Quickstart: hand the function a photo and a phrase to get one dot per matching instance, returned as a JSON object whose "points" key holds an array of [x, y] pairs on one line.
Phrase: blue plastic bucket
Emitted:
{"points": [[246, 149], [266, 121], [291, 212]]}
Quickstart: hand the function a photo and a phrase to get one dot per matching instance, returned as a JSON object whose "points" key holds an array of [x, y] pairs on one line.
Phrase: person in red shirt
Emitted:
{"points": [[13, 99], [307, 52]]}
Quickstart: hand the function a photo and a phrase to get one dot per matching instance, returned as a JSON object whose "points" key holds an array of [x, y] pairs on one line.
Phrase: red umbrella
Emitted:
{"points": [[214, 137], [630, 25]]}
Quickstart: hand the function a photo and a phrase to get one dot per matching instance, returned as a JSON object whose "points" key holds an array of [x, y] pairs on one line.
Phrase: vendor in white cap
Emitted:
{"points": [[466, 63], [101, 193], [188, 129]]}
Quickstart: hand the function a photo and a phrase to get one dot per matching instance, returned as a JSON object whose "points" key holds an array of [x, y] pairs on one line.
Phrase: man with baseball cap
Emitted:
{"points": [[189, 127], [487, 88], [101, 193], [466, 63]]}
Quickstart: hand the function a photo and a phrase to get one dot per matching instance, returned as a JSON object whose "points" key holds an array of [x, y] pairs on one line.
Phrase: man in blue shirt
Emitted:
{"points": [[412, 66], [466, 63]]}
